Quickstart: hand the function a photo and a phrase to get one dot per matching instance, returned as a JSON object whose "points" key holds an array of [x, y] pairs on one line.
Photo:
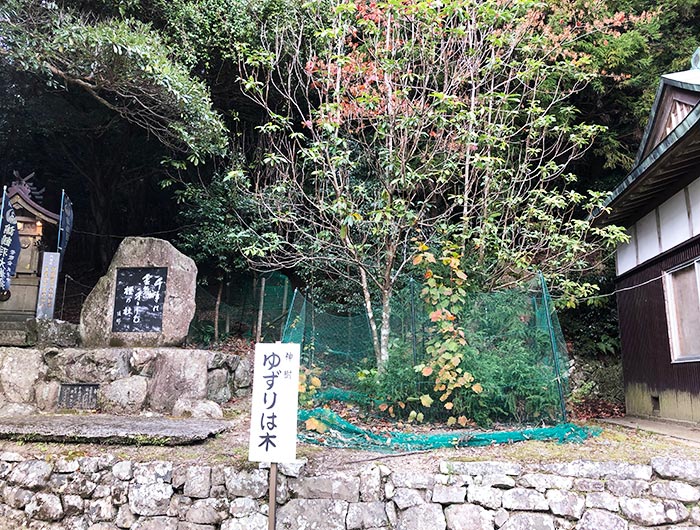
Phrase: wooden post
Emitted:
{"points": [[258, 330], [228, 306], [284, 307], [272, 505]]}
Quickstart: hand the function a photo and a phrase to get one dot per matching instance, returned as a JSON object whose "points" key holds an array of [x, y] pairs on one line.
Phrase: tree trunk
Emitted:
{"points": [[370, 316], [385, 331], [216, 310]]}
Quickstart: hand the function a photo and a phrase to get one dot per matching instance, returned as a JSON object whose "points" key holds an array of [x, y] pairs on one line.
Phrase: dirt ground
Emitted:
{"points": [[615, 443]]}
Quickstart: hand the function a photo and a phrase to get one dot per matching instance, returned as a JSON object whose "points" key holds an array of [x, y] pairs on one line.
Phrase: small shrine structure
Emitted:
{"points": [[32, 219]]}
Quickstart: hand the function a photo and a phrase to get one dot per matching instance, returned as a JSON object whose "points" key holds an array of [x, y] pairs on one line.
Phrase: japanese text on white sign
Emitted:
{"points": [[273, 420]]}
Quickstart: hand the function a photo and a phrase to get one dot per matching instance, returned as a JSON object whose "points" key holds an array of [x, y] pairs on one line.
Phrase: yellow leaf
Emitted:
{"points": [[456, 360], [383, 407], [422, 247], [451, 421], [427, 371], [426, 400], [429, 257], [461, 275], [302, 387], [417, 259], [449, 405], [419, 417], [315, 382], [462, 420], [312, 424], [477, 388]]}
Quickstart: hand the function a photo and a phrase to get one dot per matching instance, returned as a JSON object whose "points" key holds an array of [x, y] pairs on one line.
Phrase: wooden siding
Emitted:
{"points": [[646, 351]]}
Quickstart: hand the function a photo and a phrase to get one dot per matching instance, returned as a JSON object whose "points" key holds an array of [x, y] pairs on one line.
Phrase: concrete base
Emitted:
{"points": [[13, 332], [22, 303], [687, 432]]}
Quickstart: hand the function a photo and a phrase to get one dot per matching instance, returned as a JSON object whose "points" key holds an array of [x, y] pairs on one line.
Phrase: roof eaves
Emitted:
{"points": [[656, 154]]}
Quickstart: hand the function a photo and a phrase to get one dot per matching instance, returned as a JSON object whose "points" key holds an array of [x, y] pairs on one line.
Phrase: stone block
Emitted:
{"points": [[197, 482], [218, 385], [674, 490], [423, 517], [197, 408], [338, 486], [595, 470], [485, 496], [20, 371], [542, 482], [524, 499], [177, 374], [123, 396], [449, 494], [468, 517], [480, 468], [530, 521], [566, 503], [602, 500], [406, 497], [320, 514], [649, 513], [677, 469], [31, 474], [245, 483], [363, 515], [256, 521], [150, 499], [45, 507]]}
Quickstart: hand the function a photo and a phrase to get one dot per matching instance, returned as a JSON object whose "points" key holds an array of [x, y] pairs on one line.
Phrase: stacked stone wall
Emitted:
{"points": [[105, 493], [173, 381]]}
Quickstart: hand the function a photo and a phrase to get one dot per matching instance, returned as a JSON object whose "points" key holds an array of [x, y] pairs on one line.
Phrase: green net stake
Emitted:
{"points": [[285, 327], [550, 328], [413, 322]]}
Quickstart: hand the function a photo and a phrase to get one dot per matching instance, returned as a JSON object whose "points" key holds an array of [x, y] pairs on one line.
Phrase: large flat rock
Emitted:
{"points": [[169, 307], [104, 428]]}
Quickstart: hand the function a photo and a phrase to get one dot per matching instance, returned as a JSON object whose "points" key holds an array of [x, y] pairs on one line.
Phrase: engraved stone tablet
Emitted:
{"points": [[82, 396], [138, 299]]}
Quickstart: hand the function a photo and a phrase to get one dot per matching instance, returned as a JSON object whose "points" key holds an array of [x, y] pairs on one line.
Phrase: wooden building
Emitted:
{"points": [[658, 271]]}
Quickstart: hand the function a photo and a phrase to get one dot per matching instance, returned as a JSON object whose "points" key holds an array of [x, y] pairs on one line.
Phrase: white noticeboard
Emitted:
{"points": [[47, 287], [273, 416]]}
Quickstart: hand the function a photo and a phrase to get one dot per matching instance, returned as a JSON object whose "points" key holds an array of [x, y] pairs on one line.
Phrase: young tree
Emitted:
{"points": [[398, 125]]}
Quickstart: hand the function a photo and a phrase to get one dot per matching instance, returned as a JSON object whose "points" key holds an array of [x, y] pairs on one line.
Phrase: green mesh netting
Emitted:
{"points": [[342, 434], [515, 351], [240, 307]]}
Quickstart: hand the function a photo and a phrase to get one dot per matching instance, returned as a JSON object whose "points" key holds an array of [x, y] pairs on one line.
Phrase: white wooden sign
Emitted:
{"points": [[273, 417], [47, 285]]}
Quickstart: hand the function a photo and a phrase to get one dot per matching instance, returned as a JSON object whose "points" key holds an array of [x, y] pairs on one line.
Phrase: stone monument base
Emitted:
{"points": [[168, 381]]}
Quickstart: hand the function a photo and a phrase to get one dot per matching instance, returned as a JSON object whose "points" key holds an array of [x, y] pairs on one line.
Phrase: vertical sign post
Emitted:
{"points": [[273, 418], [46, 301]]}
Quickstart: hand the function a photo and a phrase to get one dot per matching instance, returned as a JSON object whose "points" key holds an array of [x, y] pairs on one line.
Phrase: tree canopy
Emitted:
{"points": [[354, 140]]}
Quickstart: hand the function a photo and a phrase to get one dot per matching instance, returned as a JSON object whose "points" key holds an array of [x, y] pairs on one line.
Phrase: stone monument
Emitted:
{"points": [[147, 297]]}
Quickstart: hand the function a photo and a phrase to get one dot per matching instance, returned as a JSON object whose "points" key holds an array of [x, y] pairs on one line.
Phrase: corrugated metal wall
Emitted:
{"points": [[643, 328]]}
